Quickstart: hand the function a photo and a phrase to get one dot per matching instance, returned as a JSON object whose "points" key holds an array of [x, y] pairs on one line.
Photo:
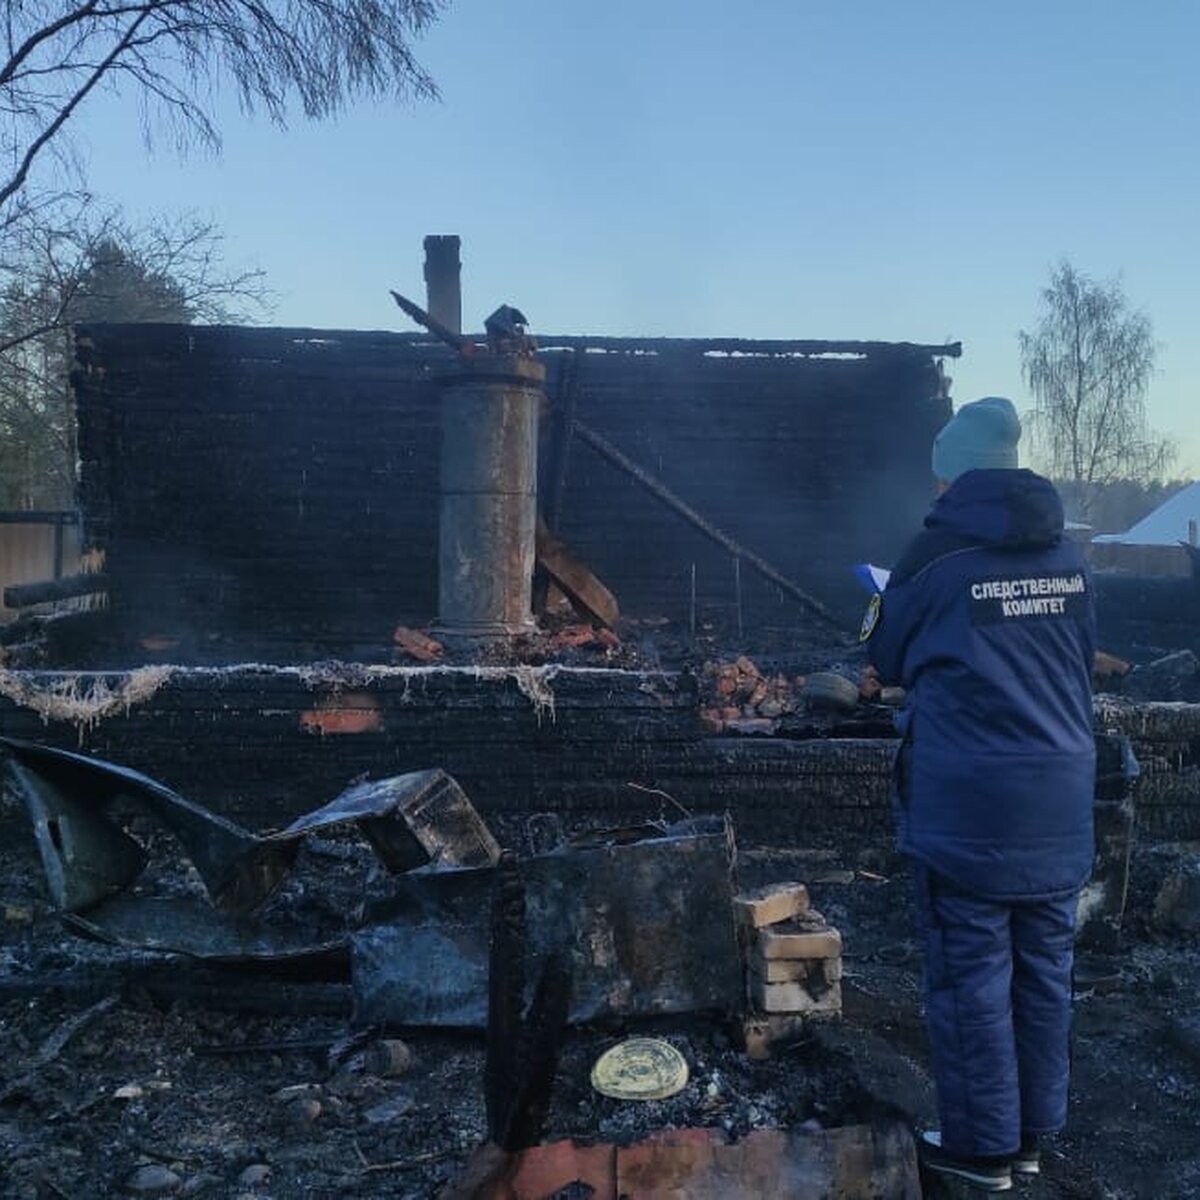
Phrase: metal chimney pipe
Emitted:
{"points": [[488, 522], [443, 280]]}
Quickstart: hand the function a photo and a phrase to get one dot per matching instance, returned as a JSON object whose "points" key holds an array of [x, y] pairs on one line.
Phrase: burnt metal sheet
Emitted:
{"points": [[647, 926], [86, 857], [425, 950], [187, 925], [409, 820], [90, 860], [239, 870]]}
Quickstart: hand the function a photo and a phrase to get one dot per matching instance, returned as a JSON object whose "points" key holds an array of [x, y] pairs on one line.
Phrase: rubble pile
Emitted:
{"points": [[136, 1082], [579, 643], [640, 924], [317, 1094], [741, 700], [739, 697]]}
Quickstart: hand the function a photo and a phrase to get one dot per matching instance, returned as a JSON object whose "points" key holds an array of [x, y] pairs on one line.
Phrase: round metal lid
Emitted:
{"points": [[640, 1069]]}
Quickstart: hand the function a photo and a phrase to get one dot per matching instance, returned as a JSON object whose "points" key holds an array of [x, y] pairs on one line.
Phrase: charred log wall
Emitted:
{"points": [[815, 463], [265, 744], [1166, 740], [272, 483], [1144, 617], [283, 483]]}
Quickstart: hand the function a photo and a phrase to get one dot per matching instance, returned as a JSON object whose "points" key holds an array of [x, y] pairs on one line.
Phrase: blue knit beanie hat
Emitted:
{"points": [[980, 435]]}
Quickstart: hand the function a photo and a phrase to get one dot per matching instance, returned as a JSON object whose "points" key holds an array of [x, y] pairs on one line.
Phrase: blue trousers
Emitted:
{"points": [[998, 1008]]}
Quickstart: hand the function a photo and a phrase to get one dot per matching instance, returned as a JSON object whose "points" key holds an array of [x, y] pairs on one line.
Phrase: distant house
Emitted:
{"points": [[1157, 544]]}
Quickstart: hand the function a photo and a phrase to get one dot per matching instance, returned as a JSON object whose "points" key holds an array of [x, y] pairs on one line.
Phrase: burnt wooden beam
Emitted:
{"points": [[566, 402], [174, 980], [506, 997], [25, 595], [587, 594], [755, 346], [660, 491], [540, 1050], [647, 926]]}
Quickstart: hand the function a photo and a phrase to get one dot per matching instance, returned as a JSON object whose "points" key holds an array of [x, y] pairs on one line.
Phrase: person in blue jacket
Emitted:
{"points": [[988, 622]]}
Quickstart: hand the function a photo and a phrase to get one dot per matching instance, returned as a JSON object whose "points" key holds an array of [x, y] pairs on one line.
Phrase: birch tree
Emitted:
{"points": [[1088, 363]]}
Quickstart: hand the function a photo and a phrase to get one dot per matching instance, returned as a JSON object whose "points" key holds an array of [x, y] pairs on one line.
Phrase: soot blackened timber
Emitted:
{"points": [[647, 929], [587, 595], [24, 595], [656, 488], [264, 745], [506, 995], [281, 485], [178, 979]]}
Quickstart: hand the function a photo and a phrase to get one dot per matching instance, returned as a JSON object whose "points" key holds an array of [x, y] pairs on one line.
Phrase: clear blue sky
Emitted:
{"points": [[777, 169]]}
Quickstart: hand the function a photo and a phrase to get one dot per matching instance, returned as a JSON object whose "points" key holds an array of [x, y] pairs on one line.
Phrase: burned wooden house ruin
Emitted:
{"points": [[271, 497], [274, 492], [458, 595]]}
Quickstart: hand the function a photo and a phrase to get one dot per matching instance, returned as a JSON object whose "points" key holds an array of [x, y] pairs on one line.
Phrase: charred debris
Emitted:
{"points": [[436, 686]]}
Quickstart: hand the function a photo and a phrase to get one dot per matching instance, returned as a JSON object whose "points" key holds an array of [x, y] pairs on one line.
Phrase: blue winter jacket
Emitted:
{"points": [[988, 622]]}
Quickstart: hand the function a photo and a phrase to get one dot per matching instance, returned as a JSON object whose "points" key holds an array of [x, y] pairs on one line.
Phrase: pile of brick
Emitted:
{"points": [[739, 698], [793, 963]]}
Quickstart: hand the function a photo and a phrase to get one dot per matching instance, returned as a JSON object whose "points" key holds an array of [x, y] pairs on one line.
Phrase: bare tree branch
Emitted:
{"points": [[174, 56], [38, 143], [62, 259]]}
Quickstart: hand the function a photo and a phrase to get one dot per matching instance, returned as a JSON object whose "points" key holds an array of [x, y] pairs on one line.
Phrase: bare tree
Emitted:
{"points": [[91, 266], [62, 259], [174, 55], [1088, 364]]}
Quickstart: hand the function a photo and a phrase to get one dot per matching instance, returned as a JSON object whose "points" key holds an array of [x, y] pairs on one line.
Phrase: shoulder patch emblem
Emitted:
{"points": [[871, 617]]}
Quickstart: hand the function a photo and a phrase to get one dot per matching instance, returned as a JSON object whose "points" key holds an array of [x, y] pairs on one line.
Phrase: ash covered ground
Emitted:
{"points": [[110, 1087], [124, 1080]]}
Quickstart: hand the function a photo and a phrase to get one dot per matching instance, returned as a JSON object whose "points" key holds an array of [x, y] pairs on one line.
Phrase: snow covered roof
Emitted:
{"points": [[1167, 525]]}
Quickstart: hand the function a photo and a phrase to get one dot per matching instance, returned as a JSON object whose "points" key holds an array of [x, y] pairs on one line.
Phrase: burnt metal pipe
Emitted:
{"points": [[443, 280], [489, 408]]}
